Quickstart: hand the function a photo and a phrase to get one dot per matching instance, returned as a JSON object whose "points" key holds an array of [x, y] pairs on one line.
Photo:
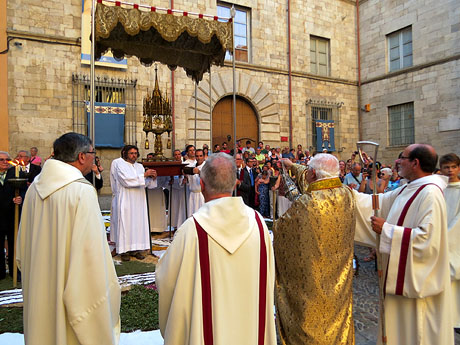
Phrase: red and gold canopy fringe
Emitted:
{"points": [[174, 38]]}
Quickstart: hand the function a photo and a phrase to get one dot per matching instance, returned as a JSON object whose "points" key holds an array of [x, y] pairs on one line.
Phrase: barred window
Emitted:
{"points": [[318, 113], [107, 90], [401, 124]]}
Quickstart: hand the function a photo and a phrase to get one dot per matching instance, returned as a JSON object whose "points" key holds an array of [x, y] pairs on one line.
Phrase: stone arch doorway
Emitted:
{"points": [[247, 124], [249, 91]]}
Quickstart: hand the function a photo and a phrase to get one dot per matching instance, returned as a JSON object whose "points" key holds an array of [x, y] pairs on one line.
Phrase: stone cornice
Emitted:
{"points": [[411, 69], [31, 36], [259, 68]]}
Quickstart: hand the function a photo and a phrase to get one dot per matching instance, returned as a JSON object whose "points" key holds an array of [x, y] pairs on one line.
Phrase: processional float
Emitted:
{"points": [[189, 40]]}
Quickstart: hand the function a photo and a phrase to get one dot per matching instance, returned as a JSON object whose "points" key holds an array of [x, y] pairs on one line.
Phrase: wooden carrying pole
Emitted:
{"points": [[16, 226], [375, 207]]}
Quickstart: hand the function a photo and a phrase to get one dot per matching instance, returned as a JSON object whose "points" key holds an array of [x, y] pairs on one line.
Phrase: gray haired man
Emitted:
{"points": [[216, 280], [70, 288]]}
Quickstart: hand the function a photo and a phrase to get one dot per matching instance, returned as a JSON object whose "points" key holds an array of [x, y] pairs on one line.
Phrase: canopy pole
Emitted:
{"points": [[210, 108], [235, 150], [92, 77], [196, 84]]}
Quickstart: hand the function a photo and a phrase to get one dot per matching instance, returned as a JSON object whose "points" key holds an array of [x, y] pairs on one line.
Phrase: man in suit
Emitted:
{"points": [[245, 181], [7, 200], [30, 171]]}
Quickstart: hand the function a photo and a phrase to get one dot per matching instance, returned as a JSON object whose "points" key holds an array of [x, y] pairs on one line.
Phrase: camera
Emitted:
{"points": [[188, 171]]}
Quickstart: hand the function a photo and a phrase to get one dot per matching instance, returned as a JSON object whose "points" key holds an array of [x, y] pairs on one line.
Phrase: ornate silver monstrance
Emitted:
{"points": [[157, 119]]}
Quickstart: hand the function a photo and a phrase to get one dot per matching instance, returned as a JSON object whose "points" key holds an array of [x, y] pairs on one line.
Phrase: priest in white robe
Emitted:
{"points": [[450, 167], [113, 185], [129, 226], [414, 246], [195, 198], [216, 280], [69, 284], [178, 215]]}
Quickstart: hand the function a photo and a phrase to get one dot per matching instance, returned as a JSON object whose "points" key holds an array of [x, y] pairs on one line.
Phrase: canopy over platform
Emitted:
{"points": [[170, 38]]}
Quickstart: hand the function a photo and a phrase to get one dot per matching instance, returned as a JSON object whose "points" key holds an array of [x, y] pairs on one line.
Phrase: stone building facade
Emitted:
{"points": [[40, 74], [319, 75], [426, 88]]}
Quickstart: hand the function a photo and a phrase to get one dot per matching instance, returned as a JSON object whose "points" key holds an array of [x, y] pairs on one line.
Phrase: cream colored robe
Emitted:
{"points": [[452, 196], [129, 227], [421, 315], [233, 237], [70, 288]]}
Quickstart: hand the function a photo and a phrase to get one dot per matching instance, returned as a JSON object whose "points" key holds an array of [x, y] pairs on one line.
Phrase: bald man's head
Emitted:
{"points": [[426, 156]]}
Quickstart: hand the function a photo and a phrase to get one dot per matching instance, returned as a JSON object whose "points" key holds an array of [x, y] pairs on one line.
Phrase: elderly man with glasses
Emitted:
{"points": [[70, 288], [415, 252]]}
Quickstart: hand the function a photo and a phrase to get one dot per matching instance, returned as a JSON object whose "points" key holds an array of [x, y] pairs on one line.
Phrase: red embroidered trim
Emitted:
{"points": [[262, 283], [205, 284], [402, 261]]}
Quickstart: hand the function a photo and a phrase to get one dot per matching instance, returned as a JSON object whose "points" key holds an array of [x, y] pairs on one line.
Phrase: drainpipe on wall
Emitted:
{"points": [[289, 73], [173, 108], [360, 125]]}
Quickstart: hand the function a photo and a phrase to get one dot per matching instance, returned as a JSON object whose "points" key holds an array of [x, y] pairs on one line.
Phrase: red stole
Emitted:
{"points": [[206, 294]]}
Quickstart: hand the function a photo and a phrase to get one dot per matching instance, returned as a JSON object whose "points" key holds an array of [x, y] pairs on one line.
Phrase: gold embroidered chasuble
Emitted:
{"points": [[314, 264]]}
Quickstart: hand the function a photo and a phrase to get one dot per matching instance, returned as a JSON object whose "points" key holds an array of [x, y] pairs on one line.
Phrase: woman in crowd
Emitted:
{"points": [[342, 171], [262, 191]]}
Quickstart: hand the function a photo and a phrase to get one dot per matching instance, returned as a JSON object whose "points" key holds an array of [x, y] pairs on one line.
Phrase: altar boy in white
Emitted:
{"points": [[195, 198], [450, 167], [414, 247]]}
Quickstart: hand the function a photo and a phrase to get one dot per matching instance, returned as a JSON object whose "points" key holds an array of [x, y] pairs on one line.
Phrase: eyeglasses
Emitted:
{"points": [[3, 159], [402, 157], [92, 152]]}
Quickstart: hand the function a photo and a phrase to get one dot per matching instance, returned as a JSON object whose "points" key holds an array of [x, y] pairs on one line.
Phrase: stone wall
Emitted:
{"points": [[40, 73], [432, 83]]}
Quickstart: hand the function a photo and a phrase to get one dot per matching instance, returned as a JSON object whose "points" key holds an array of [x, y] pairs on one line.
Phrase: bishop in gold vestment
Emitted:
{"points": [[314, 258]]}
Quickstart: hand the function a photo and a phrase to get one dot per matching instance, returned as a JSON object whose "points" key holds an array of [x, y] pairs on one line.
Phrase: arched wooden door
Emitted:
{"points": [[247, 126]]}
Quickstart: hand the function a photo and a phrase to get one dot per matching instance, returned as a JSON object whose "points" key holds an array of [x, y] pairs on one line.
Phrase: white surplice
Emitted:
{"points": [[69, 284], [234, 256], [113, 210], [178, 215], [418, 294], [195, 198], [129, 227], [283, 204], [452, 196], [157, 205]]}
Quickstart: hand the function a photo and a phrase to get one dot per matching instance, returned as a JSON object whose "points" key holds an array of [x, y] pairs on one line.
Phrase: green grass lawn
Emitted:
{"points": [[139, 306]]}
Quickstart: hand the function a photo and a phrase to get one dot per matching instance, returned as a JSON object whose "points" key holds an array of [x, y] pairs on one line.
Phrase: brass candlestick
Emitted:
{"points": [[17, 184]]}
